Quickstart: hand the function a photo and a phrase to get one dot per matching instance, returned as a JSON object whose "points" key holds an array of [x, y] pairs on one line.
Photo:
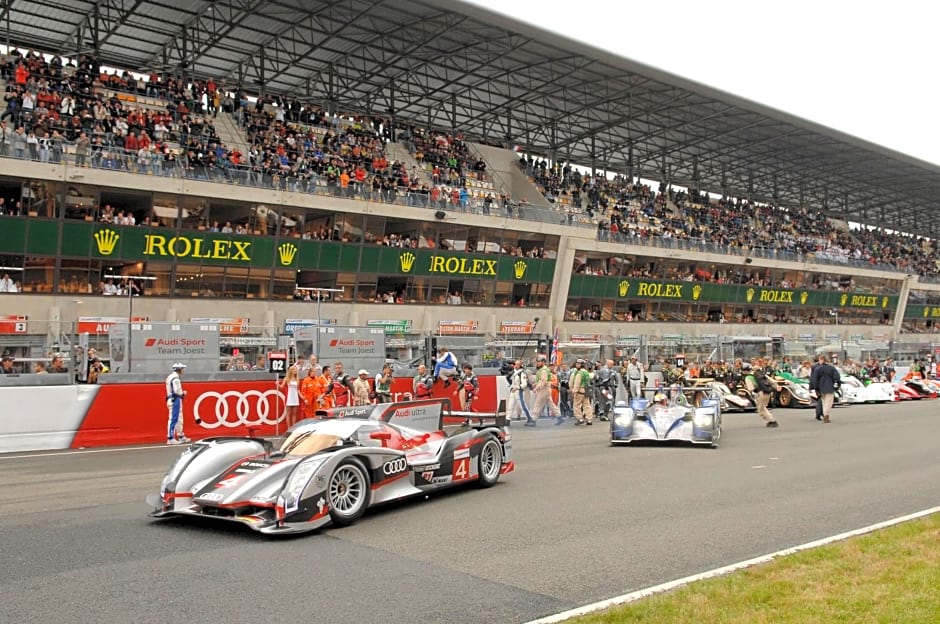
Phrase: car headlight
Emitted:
{"points": [[623, 417], [298, 480], [703, 418]]}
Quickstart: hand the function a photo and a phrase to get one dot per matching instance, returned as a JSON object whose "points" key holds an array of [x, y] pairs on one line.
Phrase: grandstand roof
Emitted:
{"points": [[449, 64]]}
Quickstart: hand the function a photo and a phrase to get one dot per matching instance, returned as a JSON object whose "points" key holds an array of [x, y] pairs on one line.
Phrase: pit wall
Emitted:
{"points": [[85, 416]]}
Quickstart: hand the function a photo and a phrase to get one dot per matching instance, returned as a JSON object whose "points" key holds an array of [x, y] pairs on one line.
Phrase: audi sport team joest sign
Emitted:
{"points": [[355, 347], [157, 345]]}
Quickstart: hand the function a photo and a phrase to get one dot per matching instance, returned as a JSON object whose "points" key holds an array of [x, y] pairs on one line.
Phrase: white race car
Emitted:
{"points": [[854, 391]]}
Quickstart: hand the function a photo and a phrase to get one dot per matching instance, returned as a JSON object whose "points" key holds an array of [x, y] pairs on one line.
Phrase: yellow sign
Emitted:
{"points": [[696, 292], [406, 261], [654, 289], [286, 253], [184, 247], [884, 302], [775, 296], [843, 299], [467, 266], [864, 301], [106, 240], [519, 268], [750, 294], [803, 297], [624, 288]]}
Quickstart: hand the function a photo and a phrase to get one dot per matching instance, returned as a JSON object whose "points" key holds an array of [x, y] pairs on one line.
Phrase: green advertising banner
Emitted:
{"points": [[431, 263], [925, 312], [86, 239], [635, 289]]}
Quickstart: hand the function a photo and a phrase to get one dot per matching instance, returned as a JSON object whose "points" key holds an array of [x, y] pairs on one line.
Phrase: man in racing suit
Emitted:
{"points": [[543, 392], [422, 382], [469, 389], [342, 386], [174, 406]]}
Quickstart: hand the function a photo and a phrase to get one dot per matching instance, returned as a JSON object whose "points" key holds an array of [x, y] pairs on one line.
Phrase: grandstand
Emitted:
{"points": [[436, 190]]}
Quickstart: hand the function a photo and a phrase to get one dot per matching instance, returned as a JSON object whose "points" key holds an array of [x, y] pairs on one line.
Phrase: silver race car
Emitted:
{"points": [[332, 469], [670, 417]]}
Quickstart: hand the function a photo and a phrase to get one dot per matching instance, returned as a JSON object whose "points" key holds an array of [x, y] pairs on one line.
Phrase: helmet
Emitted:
{"points": [[659, 397]]}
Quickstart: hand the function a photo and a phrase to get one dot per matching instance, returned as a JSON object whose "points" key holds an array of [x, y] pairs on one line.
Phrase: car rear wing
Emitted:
{"points": [[479, 420]]}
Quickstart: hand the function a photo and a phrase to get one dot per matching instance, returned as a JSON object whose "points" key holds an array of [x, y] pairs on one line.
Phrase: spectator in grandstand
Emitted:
{"points": [[7, 285]]}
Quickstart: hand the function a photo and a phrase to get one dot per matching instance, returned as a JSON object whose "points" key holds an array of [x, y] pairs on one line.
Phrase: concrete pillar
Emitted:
{"points": [[902, 306], [561, 283]]}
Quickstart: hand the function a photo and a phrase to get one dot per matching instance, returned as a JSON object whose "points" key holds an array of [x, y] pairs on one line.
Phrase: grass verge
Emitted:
{"points": [[890, 576]]}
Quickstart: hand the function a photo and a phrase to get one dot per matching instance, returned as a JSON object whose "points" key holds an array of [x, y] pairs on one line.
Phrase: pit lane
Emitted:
{"points": [[577, 522]]}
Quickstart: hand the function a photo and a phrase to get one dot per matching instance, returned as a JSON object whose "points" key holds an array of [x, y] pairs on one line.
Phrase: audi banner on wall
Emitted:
{"points": [[136, 413]]}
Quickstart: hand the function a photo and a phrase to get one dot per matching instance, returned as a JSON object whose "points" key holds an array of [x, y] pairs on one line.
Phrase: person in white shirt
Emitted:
{"points": [[7, 285]]}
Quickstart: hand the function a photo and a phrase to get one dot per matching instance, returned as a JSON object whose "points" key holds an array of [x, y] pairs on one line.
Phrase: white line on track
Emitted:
{"points": [[85, 452], [656, 589]]}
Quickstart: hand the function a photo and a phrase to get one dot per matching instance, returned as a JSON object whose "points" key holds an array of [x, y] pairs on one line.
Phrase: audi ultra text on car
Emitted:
{"points": [[332, 469]]}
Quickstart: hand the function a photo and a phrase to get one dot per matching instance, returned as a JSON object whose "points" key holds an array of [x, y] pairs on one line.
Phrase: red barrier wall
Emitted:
{"points": [[123, 414], [137, 413]]}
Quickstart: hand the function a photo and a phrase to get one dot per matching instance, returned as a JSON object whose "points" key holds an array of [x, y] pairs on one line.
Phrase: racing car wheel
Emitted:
{"points": [[489, 463], [348, 492]]}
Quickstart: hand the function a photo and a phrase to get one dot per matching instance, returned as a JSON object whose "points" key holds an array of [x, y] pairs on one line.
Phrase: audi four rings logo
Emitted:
{"points": [[235, 409], [396, 465]]}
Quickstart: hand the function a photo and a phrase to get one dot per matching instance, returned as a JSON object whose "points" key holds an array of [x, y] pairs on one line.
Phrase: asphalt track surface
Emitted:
{"points": [[577, 522]]}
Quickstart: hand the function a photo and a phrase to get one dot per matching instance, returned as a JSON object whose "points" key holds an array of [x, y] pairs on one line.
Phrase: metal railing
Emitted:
{"points": [[767, 253], [179, 165]]}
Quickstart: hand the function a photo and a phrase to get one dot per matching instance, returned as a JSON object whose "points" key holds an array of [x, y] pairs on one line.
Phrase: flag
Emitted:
{"points": [[554, 354]]}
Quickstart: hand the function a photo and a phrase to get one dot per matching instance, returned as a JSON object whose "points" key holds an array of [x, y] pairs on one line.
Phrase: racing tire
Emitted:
{"points": [[784, 398], [489, 463], [348, 492], [715, 439]]}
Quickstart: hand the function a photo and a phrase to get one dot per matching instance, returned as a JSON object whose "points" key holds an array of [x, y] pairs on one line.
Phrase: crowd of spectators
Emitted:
{"points": [[55, 104], [626, 211]]}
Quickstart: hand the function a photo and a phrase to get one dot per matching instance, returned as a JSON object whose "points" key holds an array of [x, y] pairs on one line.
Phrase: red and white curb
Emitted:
{"points": [[664, 587]]}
